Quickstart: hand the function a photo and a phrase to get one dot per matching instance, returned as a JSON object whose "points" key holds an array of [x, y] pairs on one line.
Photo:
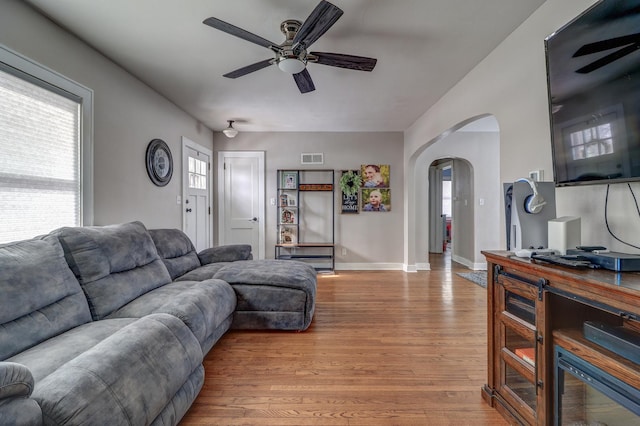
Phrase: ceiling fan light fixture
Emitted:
{"points": [[291, 65], [230, 132]]}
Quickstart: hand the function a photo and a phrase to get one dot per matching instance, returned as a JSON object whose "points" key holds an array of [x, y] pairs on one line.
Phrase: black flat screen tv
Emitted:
{"points": [[593, 76]]}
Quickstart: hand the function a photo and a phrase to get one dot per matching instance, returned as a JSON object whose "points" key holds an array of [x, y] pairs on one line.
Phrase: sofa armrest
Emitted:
{"points": [[16, 385], [16, 380], [227, 253]]}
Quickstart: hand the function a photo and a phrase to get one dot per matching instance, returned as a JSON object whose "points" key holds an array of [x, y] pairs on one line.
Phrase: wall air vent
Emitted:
{"points": [[312, 158]]}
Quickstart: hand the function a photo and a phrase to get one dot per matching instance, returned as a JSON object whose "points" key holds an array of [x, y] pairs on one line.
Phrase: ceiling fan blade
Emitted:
{"points": [[609, 58], [611, 43], [304, 82], [321, 19], [249, 69], [359, 63], [238, 32]]}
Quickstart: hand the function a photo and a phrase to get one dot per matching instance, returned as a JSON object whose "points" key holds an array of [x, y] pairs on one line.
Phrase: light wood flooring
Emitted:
{"points": [[384, 348]]}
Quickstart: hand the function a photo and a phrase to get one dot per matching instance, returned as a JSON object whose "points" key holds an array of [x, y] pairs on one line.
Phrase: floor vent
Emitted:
{"points": [[312, 158]]}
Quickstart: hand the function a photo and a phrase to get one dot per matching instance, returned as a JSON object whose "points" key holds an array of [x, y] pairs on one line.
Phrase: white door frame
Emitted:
{"points": [[222, 155], [188, 143]]}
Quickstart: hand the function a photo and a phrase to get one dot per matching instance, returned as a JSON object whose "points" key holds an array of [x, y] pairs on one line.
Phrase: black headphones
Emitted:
{"points": [[534, 203]]}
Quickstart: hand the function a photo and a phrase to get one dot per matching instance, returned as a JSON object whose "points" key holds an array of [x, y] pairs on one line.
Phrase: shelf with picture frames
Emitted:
{"points": [[306, 217]]}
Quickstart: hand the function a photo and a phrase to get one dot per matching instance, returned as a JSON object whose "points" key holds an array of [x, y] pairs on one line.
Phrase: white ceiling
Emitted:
{"points": [[423, 47]]}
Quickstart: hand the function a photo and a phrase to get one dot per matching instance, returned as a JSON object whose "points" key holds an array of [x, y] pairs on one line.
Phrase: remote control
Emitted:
{"points": [[591, 248], [571, 261]]}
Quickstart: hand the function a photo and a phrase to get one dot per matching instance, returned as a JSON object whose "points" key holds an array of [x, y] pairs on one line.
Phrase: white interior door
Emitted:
{"points": [[436, 230], [196, 193], [241, 199]]}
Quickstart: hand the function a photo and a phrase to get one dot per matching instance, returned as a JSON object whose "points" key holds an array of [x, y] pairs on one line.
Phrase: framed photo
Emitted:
{"points": [[287, 216], [288, 235], [289, 180], [376, 200], [375, 175], [284, 200], [291, 202]]}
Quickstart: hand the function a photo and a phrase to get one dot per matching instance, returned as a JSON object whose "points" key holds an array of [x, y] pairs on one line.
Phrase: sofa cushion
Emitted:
{"points": [[203, 272], [276, 294], [202, 305], [46, 357], [115, 264], [126, 379], [39, 296], [226, 253], [176, 250]]}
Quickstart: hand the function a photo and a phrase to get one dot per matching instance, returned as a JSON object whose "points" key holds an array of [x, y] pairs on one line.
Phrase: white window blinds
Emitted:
{"points": [[40, 168]]}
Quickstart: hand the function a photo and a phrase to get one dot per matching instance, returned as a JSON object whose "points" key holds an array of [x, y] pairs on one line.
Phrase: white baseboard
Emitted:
{"points": [[423, 266], [369, 267], [482, 266]]}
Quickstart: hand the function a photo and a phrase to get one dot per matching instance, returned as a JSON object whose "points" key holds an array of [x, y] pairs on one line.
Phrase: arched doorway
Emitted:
{"points": [[475, 145]]}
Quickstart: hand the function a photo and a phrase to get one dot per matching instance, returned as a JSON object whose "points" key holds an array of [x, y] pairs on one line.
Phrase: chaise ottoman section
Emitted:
{"points": [[272, 294]]}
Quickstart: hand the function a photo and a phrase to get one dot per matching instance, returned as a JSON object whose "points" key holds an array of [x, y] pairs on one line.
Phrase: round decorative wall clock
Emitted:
{"points": [[159, 162]]}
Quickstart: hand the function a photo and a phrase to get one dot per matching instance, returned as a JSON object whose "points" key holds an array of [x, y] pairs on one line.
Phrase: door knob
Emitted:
{"points": [[255, 219]]}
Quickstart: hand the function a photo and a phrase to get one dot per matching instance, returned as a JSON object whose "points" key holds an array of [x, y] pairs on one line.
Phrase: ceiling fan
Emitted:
{"points": [[291, 56], [627, 44]]}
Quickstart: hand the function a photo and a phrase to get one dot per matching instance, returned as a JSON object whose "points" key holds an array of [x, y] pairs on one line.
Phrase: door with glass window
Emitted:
{"points": [[196, 205]]}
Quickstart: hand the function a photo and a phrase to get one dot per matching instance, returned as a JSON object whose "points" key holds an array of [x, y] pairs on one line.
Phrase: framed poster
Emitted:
{"points": [[289, 180], [376, 200], [349, 204], [350, 183], [375, 175]]}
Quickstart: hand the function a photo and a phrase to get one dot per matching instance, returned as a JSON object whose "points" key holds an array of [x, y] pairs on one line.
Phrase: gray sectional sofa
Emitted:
{"points": [[109, 325]]}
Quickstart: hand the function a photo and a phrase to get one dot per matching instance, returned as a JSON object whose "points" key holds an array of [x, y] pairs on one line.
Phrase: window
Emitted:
{"points": [[197, 173], [45, 150], [446, 198]]}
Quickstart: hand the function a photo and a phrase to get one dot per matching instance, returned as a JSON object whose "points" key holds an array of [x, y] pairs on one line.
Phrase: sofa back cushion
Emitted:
{"points": [[39, 296], [176, 250], [114, 264]]}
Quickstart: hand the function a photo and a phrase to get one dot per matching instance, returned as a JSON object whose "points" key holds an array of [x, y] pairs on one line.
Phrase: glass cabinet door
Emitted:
{"points": [[516, 323]]}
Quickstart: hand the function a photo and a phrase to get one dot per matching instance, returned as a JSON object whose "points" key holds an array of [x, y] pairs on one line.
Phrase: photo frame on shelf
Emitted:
{"points": [[288, 235], [287, 216], [291, 202], [284, 200], [289, 180]]}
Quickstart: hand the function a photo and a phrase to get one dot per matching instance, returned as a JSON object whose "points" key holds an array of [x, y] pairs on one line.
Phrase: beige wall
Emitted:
{"points": [[127, 115], [510, 84], [374, 239]]}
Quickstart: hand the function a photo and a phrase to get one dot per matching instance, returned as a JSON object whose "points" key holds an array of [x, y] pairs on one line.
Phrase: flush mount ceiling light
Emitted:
{"points": [[230, 132]]}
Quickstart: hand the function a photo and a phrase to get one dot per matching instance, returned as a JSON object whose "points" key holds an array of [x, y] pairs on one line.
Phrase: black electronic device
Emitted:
{"points": [[617, 339], [593, 75], [591, 248], [571, 261], [613, 261]]}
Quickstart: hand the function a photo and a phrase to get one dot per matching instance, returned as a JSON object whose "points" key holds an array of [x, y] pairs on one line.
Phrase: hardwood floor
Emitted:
{"points": [[384, 348]]}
